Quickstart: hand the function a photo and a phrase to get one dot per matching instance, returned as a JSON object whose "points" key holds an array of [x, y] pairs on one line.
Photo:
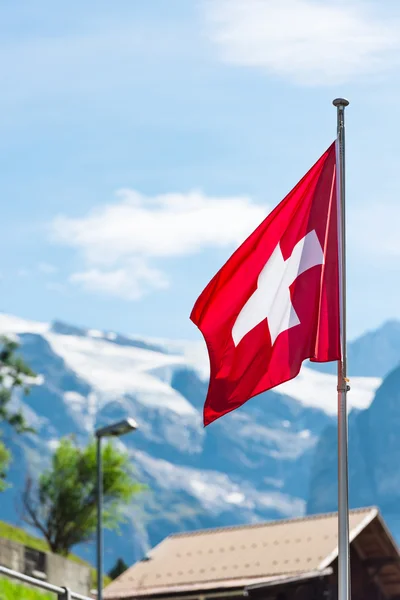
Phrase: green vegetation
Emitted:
{"points": [[16, 534], [15, 591], [4, 462], [62, 505], [117, 570], [14, 374]]}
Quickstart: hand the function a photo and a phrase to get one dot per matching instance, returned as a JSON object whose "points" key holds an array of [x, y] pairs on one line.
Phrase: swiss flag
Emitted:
{"points": [[275, 302]]}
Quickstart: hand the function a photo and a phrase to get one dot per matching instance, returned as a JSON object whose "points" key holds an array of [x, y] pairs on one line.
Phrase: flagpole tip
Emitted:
{"points": [[340, 102]]}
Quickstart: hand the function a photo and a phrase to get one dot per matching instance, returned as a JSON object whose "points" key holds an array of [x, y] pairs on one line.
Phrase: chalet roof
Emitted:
{"points": [[235, 557]]}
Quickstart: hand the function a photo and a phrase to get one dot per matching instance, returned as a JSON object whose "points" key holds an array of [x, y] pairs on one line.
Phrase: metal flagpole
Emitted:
{"points": [[343, 387], [99, 548]]}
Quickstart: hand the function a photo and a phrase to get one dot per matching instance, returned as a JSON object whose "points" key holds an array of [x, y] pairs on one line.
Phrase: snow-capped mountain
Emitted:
{"points": [[252, 464]]}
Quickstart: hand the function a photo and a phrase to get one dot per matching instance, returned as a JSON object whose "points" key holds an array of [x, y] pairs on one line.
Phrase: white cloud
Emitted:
{"points": [[160, 226], [119, 241], [305, 41], [129, 282]]}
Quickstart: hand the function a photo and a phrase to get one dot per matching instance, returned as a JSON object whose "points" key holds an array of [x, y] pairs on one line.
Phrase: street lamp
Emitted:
{"points": [[113, 430]]}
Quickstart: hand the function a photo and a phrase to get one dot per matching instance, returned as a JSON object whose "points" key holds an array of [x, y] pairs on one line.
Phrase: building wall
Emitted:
{"points": [[64, 572], [362, 587], [313, 589], [11, 555], [57, 569]]}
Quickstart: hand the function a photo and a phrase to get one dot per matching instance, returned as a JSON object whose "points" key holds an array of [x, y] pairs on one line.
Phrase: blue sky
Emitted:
{"points": [[141, 141]]}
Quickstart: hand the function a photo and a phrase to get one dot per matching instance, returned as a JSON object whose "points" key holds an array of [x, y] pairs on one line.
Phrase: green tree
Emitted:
{"points": [[117, 570], [62, 505], [4, 461], [14, 374]]}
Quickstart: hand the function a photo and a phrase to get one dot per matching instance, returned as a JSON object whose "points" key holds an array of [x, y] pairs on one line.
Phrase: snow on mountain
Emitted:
{"points": [[11, 325], [253, 464], [215, 490], [319, 390], [117, 370]]}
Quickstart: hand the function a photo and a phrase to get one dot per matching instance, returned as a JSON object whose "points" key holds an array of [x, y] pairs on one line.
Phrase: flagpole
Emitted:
{"points": [[342, 387]]}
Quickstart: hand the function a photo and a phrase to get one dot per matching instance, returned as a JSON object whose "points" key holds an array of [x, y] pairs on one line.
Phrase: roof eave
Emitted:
{"points": [[287, 579], [354, 533]]}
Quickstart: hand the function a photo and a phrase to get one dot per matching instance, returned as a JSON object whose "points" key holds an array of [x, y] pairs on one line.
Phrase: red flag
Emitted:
{"points": [[275, 302]]}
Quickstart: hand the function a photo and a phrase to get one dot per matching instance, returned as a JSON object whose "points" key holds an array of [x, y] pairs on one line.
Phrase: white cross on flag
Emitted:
{"points": [[275, 302]]}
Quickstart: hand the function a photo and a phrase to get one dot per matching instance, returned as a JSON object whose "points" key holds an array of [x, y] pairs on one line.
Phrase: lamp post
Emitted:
{"points": [[113, 430]]}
